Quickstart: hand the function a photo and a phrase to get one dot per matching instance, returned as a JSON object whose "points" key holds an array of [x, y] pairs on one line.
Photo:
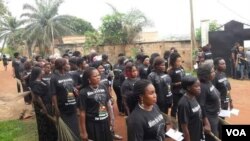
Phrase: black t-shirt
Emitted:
{"points": [[107, 66], [26, 79], [76, 77], [208, 55], [127, 87], [209, 99], [63, 87], [143, 71], [94, 102], [104, 80], [16, 65], [47, 77], [41, 89], [241, 56], [176, 75], [234, 52], [162, 84], [118, 74], [146, 125], [5, 61], [189, 112], [223, 86]]}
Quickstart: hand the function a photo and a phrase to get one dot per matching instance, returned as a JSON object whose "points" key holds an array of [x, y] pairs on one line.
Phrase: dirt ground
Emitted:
{"points": [[12, 107]]}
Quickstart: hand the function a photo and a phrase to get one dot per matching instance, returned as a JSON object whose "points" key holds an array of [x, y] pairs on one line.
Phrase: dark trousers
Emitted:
{"points": [[176, 99], [120, 106], [214, 123]]}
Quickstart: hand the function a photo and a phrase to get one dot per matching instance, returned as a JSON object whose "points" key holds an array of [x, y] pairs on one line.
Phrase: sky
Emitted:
{"points": [[170, 17]]}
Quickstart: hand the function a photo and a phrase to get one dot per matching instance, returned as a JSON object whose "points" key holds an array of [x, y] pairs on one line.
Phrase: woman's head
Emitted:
{"points": [[28, 65], [91, 77], [38, 58], [206, 72], [191, 85], [47, 68], [98, 65], [131, 70], [219, 64], [175, 60], [152, 57], [145, 60], [159, 64], [60, 64], [36, 73], [144, 92]]}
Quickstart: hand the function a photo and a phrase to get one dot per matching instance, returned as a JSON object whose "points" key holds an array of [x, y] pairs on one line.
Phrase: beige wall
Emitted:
{"points": [[183, 48]]}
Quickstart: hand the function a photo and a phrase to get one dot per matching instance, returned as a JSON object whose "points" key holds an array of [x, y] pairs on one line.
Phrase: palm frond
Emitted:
{"points": [[30, 8]]}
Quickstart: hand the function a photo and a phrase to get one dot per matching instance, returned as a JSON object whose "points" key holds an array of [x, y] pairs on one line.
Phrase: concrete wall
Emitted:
{"points": [[183, 47]]}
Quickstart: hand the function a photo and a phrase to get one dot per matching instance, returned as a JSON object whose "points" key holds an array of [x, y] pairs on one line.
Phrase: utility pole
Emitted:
{"points": [[193, 41]]}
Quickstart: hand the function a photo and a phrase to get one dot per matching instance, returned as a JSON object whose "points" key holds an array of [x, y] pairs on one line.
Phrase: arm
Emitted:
{"points": [[40, 102], [111, 114], [82, 120], [206, 125], [54, 102], [185, 130]]}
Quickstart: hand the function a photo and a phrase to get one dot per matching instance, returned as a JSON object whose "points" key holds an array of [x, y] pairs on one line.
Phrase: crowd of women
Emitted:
{"points": [[78, 89]]}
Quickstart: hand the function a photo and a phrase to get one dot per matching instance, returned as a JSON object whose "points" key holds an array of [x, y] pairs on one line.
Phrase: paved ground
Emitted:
{"points": [[11, 108]]}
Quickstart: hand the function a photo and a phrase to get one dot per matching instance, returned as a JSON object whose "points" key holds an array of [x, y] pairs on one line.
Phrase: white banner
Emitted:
{"points": [[204, 32]]}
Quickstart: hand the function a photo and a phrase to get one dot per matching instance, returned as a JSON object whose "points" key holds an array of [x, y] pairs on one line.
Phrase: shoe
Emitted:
{"points": [[117, 137]]}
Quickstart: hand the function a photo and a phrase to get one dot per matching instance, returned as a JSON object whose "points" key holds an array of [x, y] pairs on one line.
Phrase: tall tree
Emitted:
{"points": [[3, 8], [10, 30], [133, 23], [44, 24], [112, 29], [213, 26], [123, 28], [78, 25]]}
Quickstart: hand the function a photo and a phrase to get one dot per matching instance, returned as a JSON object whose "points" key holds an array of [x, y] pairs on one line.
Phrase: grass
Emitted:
{"points": [[16, 130]]}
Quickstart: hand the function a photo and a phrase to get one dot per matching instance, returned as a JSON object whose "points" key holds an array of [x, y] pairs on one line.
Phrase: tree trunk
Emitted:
{"points": [[4, 41], [30, 46]]}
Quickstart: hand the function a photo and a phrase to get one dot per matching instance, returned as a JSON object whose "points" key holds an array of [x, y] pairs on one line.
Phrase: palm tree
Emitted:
{"points": [[9, 29], [133, 23], [44, 24]]}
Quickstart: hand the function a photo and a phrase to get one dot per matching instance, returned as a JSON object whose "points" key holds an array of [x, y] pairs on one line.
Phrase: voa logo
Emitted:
{"points": [[236, 132]]}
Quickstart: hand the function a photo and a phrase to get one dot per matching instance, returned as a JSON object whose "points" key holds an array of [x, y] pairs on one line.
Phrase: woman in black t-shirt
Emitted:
{"points": [[209, 99], [64, 96], [162, 84], [189, 111], [94, 108], [47, 72], [145, 123], [127, 87], [222, 83], [42, 105], [176, 72]]}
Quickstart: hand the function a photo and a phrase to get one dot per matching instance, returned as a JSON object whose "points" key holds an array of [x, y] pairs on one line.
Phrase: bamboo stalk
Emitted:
{"points": [[223, 121], [215, 137]]}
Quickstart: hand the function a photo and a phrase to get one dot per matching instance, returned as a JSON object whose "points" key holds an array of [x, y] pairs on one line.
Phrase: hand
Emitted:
{"points": [[57, 112], [84, 136], [231, 105], [207, 129], [76, 92], [112, 100], [44, 111]]}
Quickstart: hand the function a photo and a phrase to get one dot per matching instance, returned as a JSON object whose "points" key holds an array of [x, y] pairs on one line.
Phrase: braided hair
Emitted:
{"points": [[139, 90]]}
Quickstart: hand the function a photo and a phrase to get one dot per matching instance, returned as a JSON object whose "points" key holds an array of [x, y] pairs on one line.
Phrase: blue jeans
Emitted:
{"points": [[241, 68]]}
